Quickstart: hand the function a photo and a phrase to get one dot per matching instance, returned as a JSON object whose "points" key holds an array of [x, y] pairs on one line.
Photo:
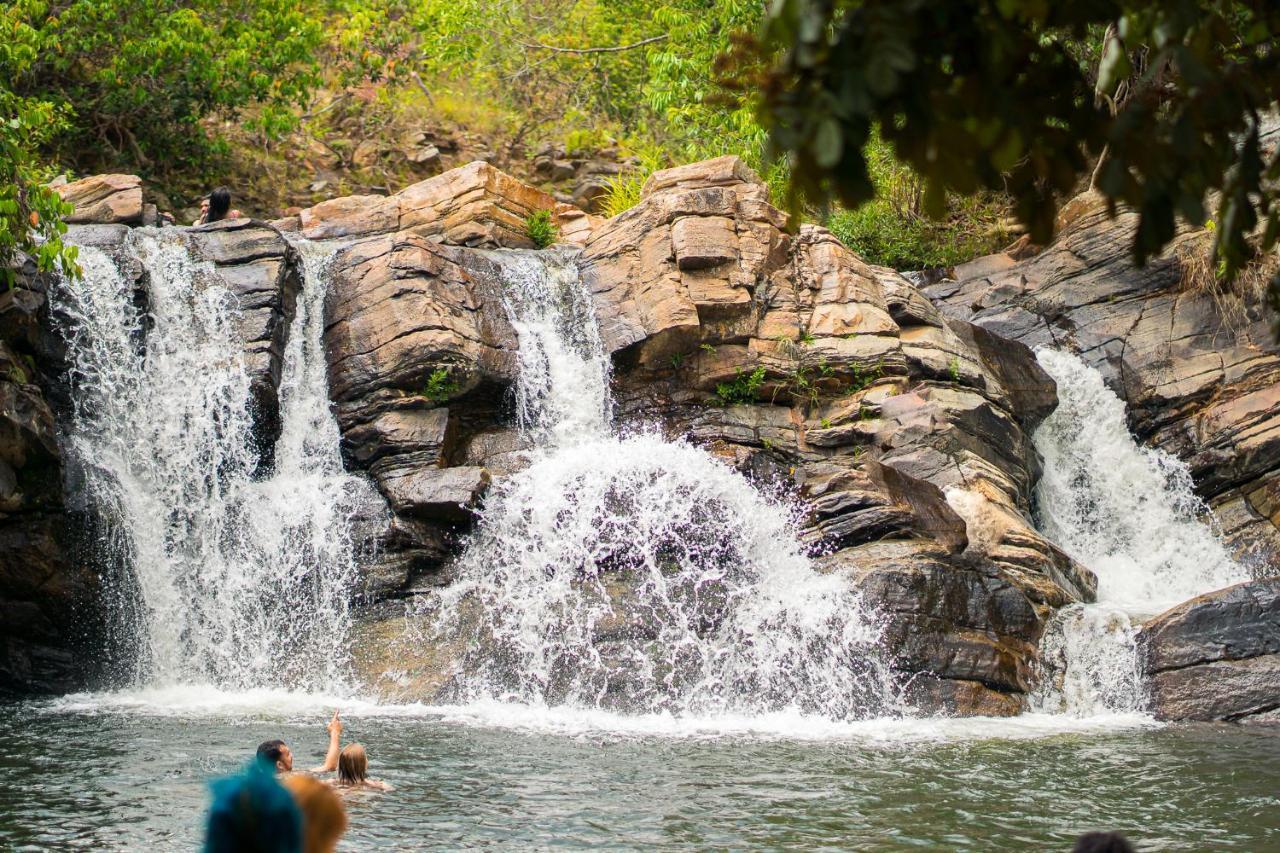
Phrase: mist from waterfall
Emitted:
{"points": [[1131, 515], [634, 574], [237, 577]]}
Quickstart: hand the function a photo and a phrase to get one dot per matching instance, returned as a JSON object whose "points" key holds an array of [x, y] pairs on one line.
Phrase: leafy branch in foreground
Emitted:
{"points": [[991, 94]]}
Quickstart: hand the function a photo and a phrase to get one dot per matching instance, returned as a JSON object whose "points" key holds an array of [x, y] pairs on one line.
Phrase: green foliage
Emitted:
{"points": [[977, 94], [953, 369], [440, 385], [578, 143], [892, 229], [541, 229], [30, 213], [742, 389], [135, 78]]}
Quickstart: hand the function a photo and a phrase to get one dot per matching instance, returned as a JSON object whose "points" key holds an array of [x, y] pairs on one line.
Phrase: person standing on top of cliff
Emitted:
{"points": [[217, 206], [276, 753]]}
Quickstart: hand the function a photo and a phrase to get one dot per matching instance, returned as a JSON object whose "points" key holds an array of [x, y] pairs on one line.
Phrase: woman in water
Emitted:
{"points": [[353, 770]]}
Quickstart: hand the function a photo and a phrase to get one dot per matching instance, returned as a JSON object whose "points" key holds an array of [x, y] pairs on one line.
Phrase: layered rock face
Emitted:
{"points": [[1216, 657], [1197, 370], [789, 358], [47, 592], [475, 205], [906, 434]]}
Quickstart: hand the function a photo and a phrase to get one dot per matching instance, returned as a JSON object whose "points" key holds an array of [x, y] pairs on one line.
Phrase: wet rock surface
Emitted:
{"points": [[1217, 656], [48, 613]]}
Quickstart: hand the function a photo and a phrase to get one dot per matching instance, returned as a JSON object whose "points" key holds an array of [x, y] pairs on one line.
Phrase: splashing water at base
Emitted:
{"points": [[636, 574], [1131, 515], [240, 579]]}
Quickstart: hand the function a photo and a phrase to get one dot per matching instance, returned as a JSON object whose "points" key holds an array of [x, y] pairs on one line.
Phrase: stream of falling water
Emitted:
{"points": [[1132, 516], [632, 574], [239, 578]]}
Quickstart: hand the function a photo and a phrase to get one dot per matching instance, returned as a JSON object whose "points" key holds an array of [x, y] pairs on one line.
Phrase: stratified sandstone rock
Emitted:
{"points": [[1199, 372], [257, 265], [104, 199], [1217, 656], [417, 342], [897, 426], [473, 205]]}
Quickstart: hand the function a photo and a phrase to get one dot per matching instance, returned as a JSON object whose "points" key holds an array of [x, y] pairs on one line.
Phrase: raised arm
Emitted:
{"points": [[331, 757]]}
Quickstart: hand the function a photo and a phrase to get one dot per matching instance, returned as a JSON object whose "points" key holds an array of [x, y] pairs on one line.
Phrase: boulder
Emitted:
{"points": [[1217, 656], [963, 632], [104, 199], [1197, 369]]}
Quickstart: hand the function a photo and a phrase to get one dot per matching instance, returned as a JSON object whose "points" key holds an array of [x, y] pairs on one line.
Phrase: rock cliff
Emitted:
{"points": [[900, 418]]}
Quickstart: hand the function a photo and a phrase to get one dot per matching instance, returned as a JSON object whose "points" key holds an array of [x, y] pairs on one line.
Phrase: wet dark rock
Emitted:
{"points": [[1217, 656], [262, 270], [48, 606]]}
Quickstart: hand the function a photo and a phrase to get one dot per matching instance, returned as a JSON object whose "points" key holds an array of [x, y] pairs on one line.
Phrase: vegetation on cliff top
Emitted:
{"points": [[889, 108]]}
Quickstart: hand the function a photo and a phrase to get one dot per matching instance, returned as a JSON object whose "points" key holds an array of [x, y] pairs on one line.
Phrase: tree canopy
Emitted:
{"points": [[994, 94]]}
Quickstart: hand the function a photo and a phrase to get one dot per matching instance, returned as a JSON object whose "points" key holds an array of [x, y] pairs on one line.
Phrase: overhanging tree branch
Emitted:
{"points": [[617, 49]]}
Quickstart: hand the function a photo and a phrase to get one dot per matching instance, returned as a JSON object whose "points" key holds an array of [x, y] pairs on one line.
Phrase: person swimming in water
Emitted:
{"points": [[353, 770], [276, 753]]}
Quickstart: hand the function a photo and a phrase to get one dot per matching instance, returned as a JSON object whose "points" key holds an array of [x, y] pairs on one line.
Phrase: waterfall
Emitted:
{"points": [[1131, 515], [630, 573], [242, 578]]}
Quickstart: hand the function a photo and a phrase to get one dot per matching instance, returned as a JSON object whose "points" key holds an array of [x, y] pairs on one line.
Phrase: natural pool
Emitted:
{"points": [[129, 773]]}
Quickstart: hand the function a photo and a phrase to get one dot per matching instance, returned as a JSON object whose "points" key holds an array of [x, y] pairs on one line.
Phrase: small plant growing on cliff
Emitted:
{"points": [[742, 389], [677, 360], [539, 228], [825, 423], [707, 348], [953, 369], [440, 385]]}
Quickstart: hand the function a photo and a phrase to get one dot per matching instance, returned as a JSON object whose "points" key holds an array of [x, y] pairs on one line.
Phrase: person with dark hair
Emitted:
{"points": [[276, 754], [1102, 842], [217, 206]]}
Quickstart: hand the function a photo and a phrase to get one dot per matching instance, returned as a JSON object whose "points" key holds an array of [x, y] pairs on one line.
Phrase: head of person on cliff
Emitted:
{"points": [[216, 207]]}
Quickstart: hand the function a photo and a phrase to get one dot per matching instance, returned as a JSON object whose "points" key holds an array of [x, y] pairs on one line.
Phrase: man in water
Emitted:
{"points": [[277, 753]]}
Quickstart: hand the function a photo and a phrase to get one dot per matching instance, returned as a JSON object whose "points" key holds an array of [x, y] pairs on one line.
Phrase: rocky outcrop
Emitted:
{"points": [[104, 199], [473, 205], [1197, 368], [259, 267], [419, 353], [1216, 657], [907, 434], [785, 355]]}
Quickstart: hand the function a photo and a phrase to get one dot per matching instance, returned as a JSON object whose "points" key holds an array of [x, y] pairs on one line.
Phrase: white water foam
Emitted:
{"points": [[637, 574], [241, 579], [1131, 515]]}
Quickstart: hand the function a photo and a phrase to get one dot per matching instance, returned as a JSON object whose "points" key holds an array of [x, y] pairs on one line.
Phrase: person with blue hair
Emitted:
{"points": [[253, 813]]}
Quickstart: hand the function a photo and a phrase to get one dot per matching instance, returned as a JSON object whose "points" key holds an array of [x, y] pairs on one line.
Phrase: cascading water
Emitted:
{"points": [[635, 574], [1132, 516], [241, 578]]}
